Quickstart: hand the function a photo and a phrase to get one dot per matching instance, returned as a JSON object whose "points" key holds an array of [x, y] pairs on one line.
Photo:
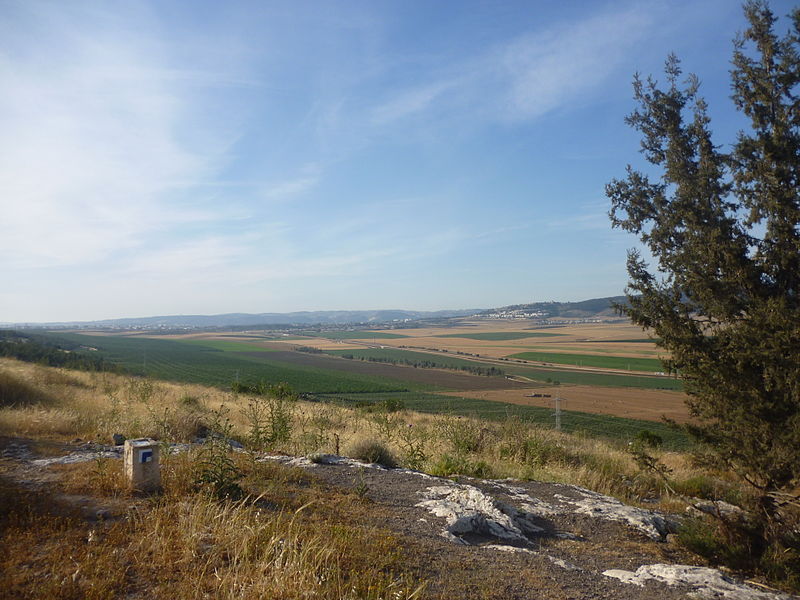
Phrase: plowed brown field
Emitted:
{"points": [[648, 405]]}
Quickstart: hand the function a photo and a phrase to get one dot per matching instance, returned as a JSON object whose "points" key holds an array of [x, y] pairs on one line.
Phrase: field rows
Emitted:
{"points": [[652, 365], [196, 363], [424, 381], [605, 426]]}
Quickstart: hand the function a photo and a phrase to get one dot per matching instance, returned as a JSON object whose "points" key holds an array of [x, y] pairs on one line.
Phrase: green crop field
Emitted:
{"points": [[633, 341], [227, 346], [590, 360], [200, 363], [499, 336], [579, 349], [354, 335], [600, 379], [605, 426], [545, 375], [408, 356], [578, 377], [275, 337], [537, 373], [218, 363]]}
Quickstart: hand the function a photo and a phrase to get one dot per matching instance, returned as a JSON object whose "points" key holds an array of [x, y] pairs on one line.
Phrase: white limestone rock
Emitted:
{"points": [[76, 457], [649, 522], [468, 510], [705, 582], [527, 502]]}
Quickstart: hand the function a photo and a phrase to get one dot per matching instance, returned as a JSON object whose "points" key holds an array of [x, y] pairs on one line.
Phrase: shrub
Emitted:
{"points": [[413, 441], [448, 465], [50, 377], [649, 439], [216, 472], [269, 415], [191, 402], [18, 392], [537, 450], [698, 486], [372, 451], [394, 405], [464, 435]]}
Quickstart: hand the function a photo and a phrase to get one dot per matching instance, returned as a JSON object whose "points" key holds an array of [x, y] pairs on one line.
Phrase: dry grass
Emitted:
{"points": [[188, 545], [17, 392], [94, 406], [288, 538]]}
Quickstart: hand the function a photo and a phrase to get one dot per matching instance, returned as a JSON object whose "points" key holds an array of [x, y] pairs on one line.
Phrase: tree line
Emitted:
{"points": [[429, 364], [37, 349]]}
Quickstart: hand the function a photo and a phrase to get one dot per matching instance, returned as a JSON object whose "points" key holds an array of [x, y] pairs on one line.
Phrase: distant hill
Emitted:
{"points": [[327, 317], [596, 307]]}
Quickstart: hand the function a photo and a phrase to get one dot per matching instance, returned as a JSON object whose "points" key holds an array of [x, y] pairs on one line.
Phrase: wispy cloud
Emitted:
{"points": [[525, 77], [97, 141], [590, 216], [306, 180], [411, 101], [545, 70]]}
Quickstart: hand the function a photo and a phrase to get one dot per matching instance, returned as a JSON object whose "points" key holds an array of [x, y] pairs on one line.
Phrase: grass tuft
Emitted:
{"points": [[15, 391], [375, 452]]}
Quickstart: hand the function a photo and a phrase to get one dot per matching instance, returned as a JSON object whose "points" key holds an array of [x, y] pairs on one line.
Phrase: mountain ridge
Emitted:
{"points": [[594, 307]]}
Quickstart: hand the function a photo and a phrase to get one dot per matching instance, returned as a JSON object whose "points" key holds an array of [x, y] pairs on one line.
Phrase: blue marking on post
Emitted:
{"points": [[145, 456]]}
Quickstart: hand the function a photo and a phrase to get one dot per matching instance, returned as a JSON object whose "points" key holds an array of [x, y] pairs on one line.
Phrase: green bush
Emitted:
{"points": [[215, 471], [449, 465], [697, 486], [394, 404], [649, 439], [372, 451], [269, 415], [537, 451], [464, 435], [738, 544]]}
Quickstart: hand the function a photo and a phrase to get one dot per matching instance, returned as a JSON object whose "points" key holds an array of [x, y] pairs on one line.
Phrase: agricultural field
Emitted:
{"points": [[207, 363], [647, 405], [515, 370], [498, 339], [445, 361], [626, 363], [595, 378], [410, 378], [498, 336], [605, 373], [357, 335], [487, 406]]}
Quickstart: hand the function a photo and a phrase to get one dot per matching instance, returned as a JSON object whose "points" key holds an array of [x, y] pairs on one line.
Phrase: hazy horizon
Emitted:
{"points": [[200, 158], [330, 310]]}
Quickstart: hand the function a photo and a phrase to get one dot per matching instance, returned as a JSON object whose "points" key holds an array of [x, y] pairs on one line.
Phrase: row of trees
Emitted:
{"points": [[430, 364], [37, 349]]}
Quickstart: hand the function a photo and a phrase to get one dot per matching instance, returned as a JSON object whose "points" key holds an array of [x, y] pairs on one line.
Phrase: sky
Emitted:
{"points": [[201, 157]]}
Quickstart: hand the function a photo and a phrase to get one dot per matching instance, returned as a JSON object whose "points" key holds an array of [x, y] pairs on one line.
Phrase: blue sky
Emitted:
{"points": [[204, 157]]}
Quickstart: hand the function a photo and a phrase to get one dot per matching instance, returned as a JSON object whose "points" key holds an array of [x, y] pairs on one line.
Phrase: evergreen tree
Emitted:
{"points": [[724, 228]]}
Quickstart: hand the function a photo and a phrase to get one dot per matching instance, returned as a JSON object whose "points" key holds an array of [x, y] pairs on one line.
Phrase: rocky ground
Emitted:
{"points": [[529, 539]]}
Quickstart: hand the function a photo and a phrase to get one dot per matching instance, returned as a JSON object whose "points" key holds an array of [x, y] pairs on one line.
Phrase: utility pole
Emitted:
{"points": [[558, 412]]}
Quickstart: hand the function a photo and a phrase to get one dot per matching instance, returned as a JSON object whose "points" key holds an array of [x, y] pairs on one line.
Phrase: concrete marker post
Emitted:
{"points": [[142, 469]]}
